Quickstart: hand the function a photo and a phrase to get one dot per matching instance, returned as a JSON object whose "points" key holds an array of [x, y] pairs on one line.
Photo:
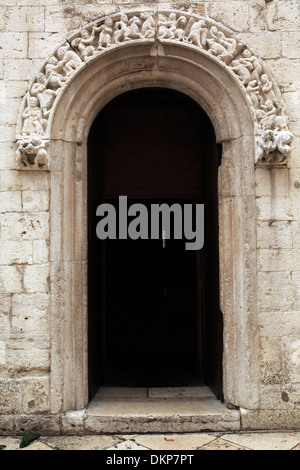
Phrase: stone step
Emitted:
{"points": [[164, 413]]}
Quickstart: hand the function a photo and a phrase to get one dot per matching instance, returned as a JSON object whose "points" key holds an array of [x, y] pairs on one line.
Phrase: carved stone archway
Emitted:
{"points": [[204, 60], [157, 28]]}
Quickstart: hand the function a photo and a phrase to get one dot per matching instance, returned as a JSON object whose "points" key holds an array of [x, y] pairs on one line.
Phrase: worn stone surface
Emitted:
{"points": [[42, 236], [154, 415], [168, 442]]}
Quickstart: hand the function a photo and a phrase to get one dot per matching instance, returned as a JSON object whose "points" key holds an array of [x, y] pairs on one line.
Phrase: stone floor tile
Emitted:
{"points": [[174, 441], [297, 447], [10, 443], [37, 445], [222, 444], [13, 443], [265, 440], [128, 445], [81, 442]]}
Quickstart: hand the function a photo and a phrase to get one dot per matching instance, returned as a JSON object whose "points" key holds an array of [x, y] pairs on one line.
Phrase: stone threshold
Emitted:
{"points": [[155, 410]]}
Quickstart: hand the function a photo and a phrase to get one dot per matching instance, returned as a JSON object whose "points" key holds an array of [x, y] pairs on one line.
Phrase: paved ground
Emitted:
{"points": [[167, 442]]}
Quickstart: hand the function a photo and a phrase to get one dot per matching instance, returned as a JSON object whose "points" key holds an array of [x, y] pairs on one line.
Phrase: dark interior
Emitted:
{"points": [[155, 309], [154, 316]]}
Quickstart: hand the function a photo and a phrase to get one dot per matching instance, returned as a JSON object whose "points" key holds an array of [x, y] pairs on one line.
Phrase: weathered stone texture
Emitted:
{"points": [[30, 31]]}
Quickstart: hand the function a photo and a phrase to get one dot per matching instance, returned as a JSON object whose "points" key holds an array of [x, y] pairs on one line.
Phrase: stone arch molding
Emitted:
{"points": [[270, 123]]}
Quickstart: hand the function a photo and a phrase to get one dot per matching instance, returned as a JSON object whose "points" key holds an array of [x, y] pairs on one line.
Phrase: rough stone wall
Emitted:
{"points": [[30, 31]]}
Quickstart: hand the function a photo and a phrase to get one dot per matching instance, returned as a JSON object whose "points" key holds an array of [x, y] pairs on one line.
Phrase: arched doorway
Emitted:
{"points": [[154, 315], [198, 75], [213, 80]]}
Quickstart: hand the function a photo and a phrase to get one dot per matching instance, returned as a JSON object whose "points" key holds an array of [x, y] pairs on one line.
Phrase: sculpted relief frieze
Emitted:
{"points": [[273, 138]]}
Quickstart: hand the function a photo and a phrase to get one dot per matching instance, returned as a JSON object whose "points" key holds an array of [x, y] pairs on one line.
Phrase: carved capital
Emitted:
{"points": [[273, 147], [32, 154]]}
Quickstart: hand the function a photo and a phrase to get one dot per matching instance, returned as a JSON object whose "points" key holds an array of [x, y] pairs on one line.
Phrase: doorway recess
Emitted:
{"points": [[154, 315]]}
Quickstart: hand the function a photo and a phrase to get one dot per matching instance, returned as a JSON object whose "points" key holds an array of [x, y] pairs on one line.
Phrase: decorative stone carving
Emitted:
{"points": [[32, 154], [33, 122], [272, 147], [164, 26]]}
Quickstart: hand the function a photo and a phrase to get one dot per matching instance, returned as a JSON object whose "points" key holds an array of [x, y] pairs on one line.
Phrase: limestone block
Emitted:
{"points": [[274, 208], [295, 154], [13, 45], [25, 18], [24, 360], [15, 252], [290, 394], [10, 280], [29, 2], [294, 177], [5, 306], [2, 90], [35, 200], [10, 396], [10, 201], [294, 180], [13, 180], [286, 72], [278, 324], [257, 15], [296, 288], [2, 353], [16, 88], [2, 16], [21, 69], [47, 425], [270, 419], [30, 313], [271, 361], [6, 425], [266, 44], [291, 359], [273, 396], [9, 110], [291, 45], [274, 291], [290, 99], [234, 15], [35, 394], [7, 134], [41, 45], [73, 422], [72, 17], [271, 183], [25, 226], [274, 259], [296, 233], [274, 234], [283, 15], [36, 278], [40, 251], [295, 263], [271, 16], [55, 20]]}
